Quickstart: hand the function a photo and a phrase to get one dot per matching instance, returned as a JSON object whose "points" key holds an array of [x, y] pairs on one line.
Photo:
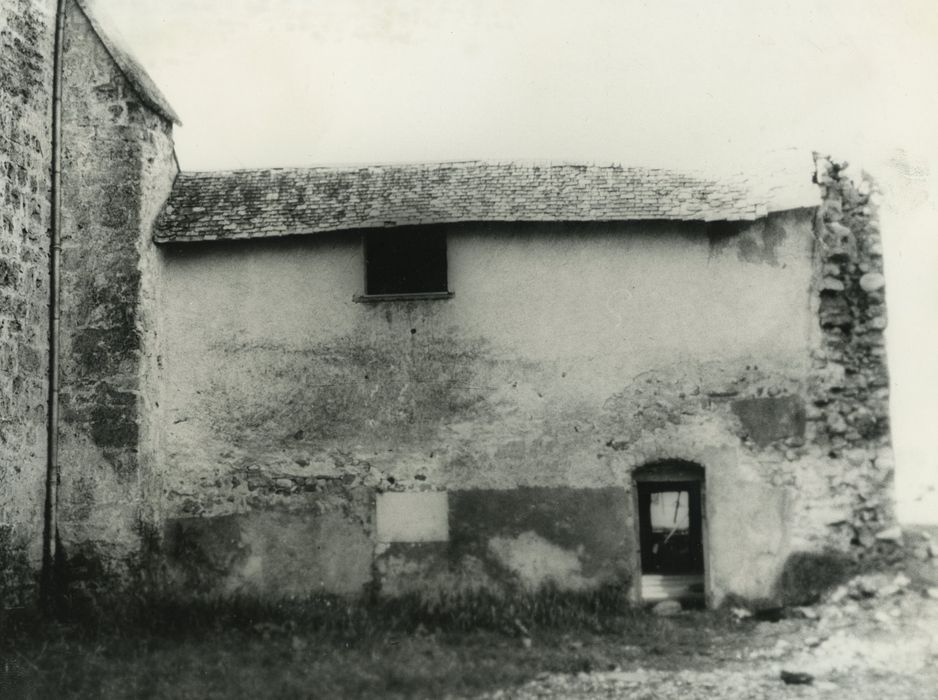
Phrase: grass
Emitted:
{"points": [[330, 648]]}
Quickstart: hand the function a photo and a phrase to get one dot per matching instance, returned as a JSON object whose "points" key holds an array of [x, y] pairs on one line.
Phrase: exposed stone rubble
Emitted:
{"points": [[849, 391]]}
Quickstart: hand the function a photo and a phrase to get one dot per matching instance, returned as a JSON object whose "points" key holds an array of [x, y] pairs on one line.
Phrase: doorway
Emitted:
{"points": [[671, 536]]}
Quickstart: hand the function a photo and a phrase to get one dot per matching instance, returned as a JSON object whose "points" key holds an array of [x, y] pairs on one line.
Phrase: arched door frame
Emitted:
{"points": [[667, 470]]}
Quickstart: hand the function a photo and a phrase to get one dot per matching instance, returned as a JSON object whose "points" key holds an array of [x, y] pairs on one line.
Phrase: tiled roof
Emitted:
{"points": [[138, 78], [280, 202]]}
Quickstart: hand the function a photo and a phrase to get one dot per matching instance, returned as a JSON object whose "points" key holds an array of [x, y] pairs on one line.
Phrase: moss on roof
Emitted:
{"points": [[281, 202]]}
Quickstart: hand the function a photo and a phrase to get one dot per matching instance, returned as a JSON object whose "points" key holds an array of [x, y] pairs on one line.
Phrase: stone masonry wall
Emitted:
{"points": [[485, 418], [26, 49], [850, 391], [118, 167], [568, 358]]}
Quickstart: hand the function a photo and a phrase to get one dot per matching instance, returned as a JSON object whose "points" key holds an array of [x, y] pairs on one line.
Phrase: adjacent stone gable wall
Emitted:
{"points": [[118, 167], [26, 49]]}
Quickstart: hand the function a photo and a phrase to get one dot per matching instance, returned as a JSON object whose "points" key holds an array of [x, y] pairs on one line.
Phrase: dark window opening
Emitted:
{"points": [[405, 260], [720, 232], [670, 527]]}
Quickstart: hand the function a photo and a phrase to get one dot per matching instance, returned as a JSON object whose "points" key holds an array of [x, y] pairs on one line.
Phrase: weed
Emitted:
{"points": [[808, 575]]}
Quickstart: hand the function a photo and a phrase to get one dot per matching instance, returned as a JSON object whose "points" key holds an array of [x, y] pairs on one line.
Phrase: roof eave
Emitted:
{"points": [[163, 238]]}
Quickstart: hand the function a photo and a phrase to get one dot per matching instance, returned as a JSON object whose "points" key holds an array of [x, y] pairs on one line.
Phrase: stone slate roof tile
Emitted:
{"points": [[284, 202]]}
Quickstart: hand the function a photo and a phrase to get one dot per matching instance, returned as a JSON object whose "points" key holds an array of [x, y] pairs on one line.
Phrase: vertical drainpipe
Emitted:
{"points": [[50, 535]]}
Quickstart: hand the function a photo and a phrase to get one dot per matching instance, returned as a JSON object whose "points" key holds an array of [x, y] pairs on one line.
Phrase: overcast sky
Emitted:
{"points": [[706, 84]]}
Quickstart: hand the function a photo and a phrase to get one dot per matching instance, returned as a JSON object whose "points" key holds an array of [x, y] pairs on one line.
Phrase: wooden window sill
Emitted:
{"points": [[419, 296]]}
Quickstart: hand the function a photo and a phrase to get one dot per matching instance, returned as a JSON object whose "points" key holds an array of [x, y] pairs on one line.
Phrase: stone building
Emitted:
{"points": [[117, 165], [461, 375], [26, 39], [434, 378]]}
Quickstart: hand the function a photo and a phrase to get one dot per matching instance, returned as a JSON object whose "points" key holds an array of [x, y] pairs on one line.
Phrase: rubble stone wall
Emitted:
{"points": [[848, 416], [26, 49], [118, 167]]}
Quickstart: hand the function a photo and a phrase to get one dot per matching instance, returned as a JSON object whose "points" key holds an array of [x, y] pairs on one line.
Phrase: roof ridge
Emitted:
{"points": [[433, 164]]}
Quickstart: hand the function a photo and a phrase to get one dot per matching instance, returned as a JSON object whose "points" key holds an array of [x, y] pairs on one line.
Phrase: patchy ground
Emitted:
{"points": [[866, 646], [875, 637]]}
